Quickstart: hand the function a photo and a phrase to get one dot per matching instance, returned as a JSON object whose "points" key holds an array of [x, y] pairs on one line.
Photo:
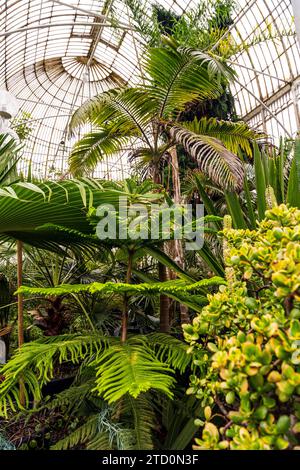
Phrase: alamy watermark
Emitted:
{"points": [[152, 222]]}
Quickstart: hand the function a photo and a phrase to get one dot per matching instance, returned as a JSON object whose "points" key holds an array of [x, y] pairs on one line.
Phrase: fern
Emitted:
{"points": [[72, 397], [100, 442], [80, 436], [168, 287], [131, 368], [170, 350], [34, 364], [141, 414]]}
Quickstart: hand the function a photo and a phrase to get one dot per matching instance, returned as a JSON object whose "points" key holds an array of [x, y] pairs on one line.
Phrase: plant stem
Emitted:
{"points": [[125, 304], [20, 311]]}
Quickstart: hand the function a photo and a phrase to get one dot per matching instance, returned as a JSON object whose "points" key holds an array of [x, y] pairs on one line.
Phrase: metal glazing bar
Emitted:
{"points": [[53, 25], [83, 10], [265, 107], [257, 71]]}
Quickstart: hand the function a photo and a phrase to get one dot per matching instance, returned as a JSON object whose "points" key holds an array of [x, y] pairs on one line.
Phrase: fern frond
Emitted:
{"points": [[72, 396], [34, 363], [99, 442], [170, 350], [130, 368], [80, 436], [169, 287], [140, 414]]}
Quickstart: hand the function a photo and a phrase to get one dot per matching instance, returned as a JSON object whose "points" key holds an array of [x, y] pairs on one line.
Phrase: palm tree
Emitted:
{"points": [[146, 119]]}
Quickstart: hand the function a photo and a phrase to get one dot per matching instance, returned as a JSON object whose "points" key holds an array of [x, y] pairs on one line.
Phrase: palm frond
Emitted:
{"points": [[94, 147], [10, 154], [128, 109], [52, 213], [178, 77], [223, 167], [234, 135]]}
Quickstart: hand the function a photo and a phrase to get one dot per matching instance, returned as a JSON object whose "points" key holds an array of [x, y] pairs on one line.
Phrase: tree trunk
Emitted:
{"points": [[164, 301], [124, 324], [20, 311], [176, 245]]}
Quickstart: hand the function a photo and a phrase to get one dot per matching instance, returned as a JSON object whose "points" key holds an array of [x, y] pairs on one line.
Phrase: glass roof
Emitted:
{"points": [[56, 54]]}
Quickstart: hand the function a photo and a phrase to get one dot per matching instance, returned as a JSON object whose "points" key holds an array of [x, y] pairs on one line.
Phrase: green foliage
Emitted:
{"points": [[235, 136], [80, 436], [173, 76], [293, 190], [245, 342], [168, 287], [130, 368], [199, 27], [114, 369], [272, 170], [22, 125], [10, 154], [213, 158], [35, 361]]}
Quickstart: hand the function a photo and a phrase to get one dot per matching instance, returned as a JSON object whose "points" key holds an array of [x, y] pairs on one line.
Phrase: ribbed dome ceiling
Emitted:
{"points": [[56, 54]]}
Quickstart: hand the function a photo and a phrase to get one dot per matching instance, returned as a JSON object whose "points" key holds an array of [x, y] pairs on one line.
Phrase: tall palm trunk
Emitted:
{"points": [[176, 245]]}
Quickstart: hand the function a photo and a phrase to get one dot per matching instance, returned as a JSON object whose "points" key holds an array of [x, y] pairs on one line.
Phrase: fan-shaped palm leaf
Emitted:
{"points": [[27, 209]]}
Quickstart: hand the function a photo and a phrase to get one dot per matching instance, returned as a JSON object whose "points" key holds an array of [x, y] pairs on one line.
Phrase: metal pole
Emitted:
{"points": [[85, 11], [295, 87], [260, 72]]}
